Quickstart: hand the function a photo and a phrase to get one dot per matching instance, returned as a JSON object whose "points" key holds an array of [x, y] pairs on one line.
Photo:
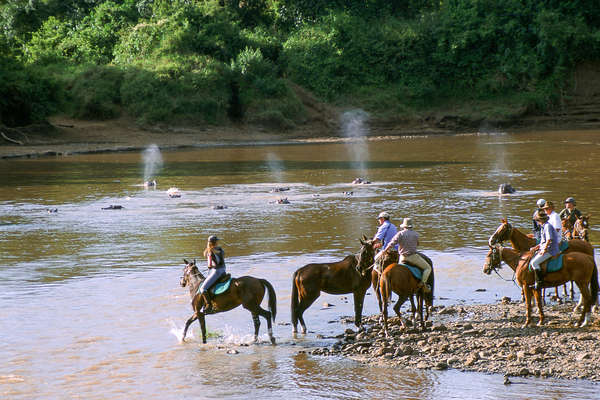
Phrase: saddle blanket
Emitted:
{"points": [[220, 288], [553, 264], [415, 271]]}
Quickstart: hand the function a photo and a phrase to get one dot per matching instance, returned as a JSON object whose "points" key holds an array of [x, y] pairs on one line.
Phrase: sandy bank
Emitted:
{"points": [[484, 338]]}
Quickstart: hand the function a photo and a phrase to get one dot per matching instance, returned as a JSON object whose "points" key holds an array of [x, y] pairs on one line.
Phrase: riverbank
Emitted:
{"points": [[484, 338]]}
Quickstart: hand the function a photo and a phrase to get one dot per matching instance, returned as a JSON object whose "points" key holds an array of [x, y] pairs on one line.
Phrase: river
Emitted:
{"points": [[91, 302]]}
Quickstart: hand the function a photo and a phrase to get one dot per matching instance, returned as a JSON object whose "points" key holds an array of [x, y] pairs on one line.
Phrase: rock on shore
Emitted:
{"points": [[484, 338]]}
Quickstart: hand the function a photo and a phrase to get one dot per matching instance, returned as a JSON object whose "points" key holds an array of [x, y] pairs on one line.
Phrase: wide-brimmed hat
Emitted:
{"points": [[213, 239], [541, 216], [384, 214], [406, 223], [548, 204]]}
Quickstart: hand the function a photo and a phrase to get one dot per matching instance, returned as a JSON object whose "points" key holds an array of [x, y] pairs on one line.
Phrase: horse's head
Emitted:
{"points": [[190, 272], [366, 255], [502, 233], [582, 227], [493, 260], [567, 228]]}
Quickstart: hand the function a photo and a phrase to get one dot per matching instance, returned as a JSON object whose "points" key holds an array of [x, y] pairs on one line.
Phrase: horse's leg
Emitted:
{"points": [[303, 305], [267, 315], [527, 293], [586, 297], [537, 294], [413, 310], [420, 309], [572, 292], [187, 325], [359, 296], [202, 322], [397, 307], [256, 322]]}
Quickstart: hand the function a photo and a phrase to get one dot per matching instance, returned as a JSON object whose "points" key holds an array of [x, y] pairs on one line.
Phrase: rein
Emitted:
{"points": [[495, 269]]}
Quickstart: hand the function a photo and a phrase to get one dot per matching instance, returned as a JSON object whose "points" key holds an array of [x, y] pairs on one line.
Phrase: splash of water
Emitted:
{"points": [[275, 166], [176, 331], [354, 127], [152, 162]]}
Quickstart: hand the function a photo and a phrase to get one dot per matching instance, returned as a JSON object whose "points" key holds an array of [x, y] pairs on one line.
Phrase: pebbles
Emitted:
{"points": [[484, 338]]}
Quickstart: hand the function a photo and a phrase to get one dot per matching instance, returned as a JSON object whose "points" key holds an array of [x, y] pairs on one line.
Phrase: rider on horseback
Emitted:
{"points": [[407, 241], [570, 212], [537, 228], [548, 246], [385, 233], [215, 257]]}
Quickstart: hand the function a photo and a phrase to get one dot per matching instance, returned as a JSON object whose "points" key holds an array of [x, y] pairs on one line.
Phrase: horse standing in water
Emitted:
{"points": [[578, 267], [340, 277], [246, 291], [578, 230], [522, 242]]}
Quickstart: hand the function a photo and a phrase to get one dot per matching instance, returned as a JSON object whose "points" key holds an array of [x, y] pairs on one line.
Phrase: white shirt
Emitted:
{"points": [[555, 221]]}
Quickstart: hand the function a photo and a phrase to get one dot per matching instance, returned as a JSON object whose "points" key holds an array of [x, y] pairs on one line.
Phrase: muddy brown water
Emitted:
{"points": [[90, 302]]}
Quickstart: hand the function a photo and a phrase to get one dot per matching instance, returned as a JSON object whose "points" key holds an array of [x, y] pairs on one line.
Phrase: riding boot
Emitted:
{"points": [[538, 279], [207, 308]]}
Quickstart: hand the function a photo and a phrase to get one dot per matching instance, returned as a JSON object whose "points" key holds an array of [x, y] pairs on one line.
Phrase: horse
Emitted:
{"points": [[398, 279], [581, 228], [578, 267], [340, 277], [523, 242], [246, 291], [392, 258]]}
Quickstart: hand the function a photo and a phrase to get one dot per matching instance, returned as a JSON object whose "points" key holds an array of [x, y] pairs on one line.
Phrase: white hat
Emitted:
{"points": [[541, 203], [384, 214], [407, 223]]}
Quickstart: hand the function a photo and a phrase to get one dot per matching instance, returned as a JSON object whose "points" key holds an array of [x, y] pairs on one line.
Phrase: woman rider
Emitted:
{"points": [[215, 260]]}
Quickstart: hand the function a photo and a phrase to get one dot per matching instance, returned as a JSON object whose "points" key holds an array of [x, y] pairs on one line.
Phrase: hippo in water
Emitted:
{"points": [[150, 184], [52, 210], [219, 207], [113, 207], [283, 201], [280, 189], [506, 188], [173, 193], [348, 193], [360, 181]]}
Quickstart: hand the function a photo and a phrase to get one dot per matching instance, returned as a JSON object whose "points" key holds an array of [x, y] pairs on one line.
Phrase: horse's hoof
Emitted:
{"points": [[273, 341], [540, 323]]}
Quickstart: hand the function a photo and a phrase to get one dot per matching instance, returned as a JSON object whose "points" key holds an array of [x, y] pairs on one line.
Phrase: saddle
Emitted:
{"points": [[552, 264], [221, 286]]}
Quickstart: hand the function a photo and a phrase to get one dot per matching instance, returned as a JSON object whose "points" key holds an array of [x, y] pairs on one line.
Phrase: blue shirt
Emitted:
{"points": [[550, 234], [385, 233]]}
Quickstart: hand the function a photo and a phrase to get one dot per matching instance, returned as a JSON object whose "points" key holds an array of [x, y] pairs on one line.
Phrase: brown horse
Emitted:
{"points": [[581, 228], [246, 290], [340, 277], [578, 267], [392, 257], [523, 242]]}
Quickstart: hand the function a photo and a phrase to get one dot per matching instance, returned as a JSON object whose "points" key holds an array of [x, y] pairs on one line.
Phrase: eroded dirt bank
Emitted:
{"points": [[484, 338]]}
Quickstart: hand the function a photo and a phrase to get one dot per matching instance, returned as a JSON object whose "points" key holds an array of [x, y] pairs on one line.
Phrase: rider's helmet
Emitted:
{"points": [[541, 203], [384, 215], [570, 200], [213, 239]]}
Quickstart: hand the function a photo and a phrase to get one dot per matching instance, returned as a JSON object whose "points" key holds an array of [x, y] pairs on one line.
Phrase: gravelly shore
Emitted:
{"points": [[484, 338]]}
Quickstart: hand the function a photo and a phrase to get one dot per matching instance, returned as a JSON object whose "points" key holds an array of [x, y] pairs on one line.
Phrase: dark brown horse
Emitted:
{"points": [[523, 242], [578, 267], [246, 291], [340, 277], [581, 228]]}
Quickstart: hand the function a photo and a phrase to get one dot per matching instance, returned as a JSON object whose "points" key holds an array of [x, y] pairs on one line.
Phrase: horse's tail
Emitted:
{"points": [[295, 300], [594, 283], [272, 298], [384, 289]]}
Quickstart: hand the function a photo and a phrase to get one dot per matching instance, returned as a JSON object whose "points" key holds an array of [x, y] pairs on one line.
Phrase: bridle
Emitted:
{"points": [[505, 235], [496, 263]]}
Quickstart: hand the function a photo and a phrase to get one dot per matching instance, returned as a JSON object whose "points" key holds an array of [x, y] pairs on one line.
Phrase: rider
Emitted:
{"points": [[408, 240], [570, 211], [385, 232], [537, 228], [548, 246], [554, 219], [215, 260]]}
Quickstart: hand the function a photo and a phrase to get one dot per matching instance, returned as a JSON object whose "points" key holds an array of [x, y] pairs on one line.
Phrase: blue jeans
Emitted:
{"points": [[537, 261], [213, 275]]}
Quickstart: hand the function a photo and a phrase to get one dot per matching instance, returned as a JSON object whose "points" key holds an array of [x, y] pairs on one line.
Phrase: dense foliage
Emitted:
{"points": [[213, 61]]}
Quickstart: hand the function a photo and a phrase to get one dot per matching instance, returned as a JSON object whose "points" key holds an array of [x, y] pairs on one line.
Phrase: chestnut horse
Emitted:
{"points": [[522, 242], [398, 279], [340, 277], [578, 267], [246, 291], [578, 230]]}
